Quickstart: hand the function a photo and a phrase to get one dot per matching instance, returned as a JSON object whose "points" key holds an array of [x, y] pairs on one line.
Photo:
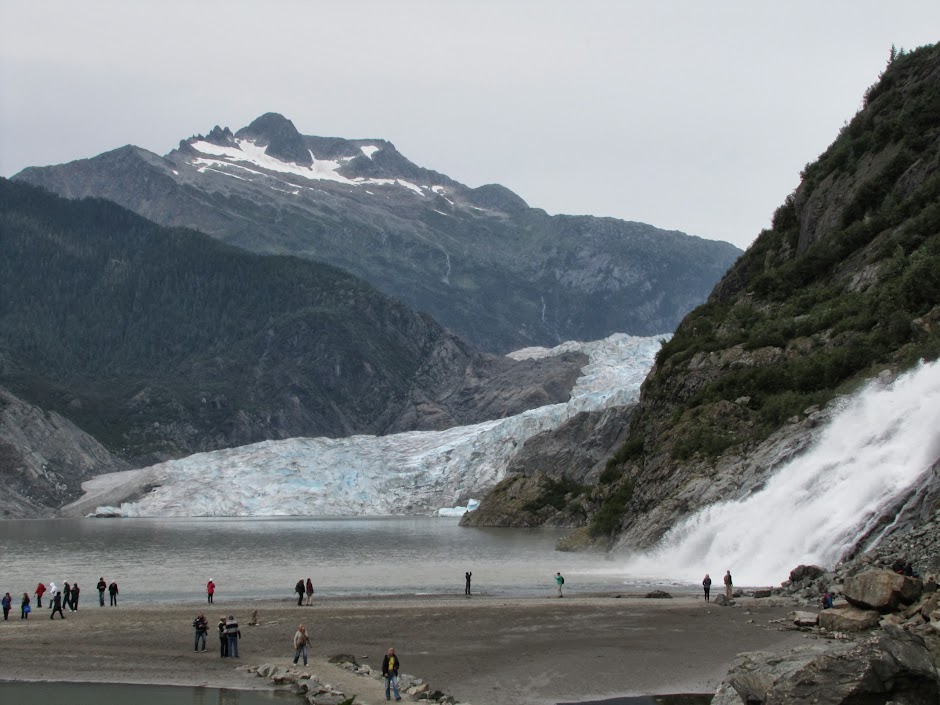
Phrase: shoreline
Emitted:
{"points": [[482, 650]]}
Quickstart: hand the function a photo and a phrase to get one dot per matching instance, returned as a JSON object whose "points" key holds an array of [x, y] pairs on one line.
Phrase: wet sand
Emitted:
{"points": [[482, 650]]}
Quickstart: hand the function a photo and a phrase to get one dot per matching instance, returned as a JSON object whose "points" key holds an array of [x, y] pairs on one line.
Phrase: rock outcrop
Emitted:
{"points": [[893, 666], [43, 459], [881, 590]]}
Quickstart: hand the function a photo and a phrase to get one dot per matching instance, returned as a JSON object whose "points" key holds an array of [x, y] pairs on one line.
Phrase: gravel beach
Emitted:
{"points": [[482, 650]]}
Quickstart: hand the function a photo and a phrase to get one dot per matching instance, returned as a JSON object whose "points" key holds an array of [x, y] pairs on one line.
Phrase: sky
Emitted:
{"points": [[688, 115]]}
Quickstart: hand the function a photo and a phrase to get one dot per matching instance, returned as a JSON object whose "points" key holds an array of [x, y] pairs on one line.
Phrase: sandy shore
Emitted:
{"points": [[483, 650]]}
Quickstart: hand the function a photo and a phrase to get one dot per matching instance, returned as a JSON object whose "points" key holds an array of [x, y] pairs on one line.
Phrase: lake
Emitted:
{"points": [[172, 559]]}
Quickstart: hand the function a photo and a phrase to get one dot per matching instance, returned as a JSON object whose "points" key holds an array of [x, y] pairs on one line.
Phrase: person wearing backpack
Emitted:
{"points": [[559, 581]]}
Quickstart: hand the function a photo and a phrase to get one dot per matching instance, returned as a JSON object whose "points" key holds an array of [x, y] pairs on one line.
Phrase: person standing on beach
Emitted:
{"points": [[728, 585], [301, 642], [559, 581], [75, 594], [210, 590], [67, 595], [234, 634], [6, 603], [40, 590], [299, 589], [466, 590], [707, 584], [57, 606], [53, 591], [201, 625], [102, 586], [390, 666], [113, 592], [24, 607], [309, 587], [223, 638]]}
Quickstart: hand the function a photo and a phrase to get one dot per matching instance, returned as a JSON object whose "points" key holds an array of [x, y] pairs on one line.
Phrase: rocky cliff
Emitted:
{"points": [[501, 275], [844, 287], [44, 458]]}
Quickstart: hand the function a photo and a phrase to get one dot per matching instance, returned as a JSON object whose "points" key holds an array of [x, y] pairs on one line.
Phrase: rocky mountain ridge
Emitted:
{"points": [[500, 274]]}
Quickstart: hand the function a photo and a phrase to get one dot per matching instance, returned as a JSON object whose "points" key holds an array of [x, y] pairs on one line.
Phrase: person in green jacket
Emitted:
{"points": [[559, 581]]}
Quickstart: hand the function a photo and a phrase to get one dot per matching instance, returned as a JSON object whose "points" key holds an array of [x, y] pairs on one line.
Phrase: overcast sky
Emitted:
{"points": [[690, 115]]}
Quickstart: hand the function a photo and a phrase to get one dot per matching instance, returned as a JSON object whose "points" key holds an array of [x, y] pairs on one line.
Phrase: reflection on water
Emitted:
{"points": [[119, 694], [172, 559]]}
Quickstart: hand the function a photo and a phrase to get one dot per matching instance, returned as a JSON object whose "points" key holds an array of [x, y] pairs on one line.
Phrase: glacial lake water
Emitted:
{"points": [[172, 559]]}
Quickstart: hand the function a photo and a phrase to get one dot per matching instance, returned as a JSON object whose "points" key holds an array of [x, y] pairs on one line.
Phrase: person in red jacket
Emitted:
{"points": [[40, 591], [210, 590]]}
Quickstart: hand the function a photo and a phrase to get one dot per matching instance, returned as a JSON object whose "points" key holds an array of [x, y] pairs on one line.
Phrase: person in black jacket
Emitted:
{"points": [[201, 625], [707, 584], [57, 606], [113, 591], [390, 666], [299, 589], [102, 586], [223, 638]]}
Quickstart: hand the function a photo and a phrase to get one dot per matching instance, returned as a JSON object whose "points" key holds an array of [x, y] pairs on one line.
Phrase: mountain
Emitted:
{"points": [[498, 273], [44, 458], [844, 288], [162, 342]]}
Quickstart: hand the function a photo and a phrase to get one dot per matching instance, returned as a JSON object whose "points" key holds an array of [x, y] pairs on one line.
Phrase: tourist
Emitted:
{"points": [[390, 666], [728, 585], [102, 586], [299, 588], [301, 642], [113, 592], [223, 639], [75, 594], [233, 634], [6, 602], [67, 595], [25, 609], [466, 590], [707, 584], [202, 627], [559, 581], [210, 590], [57, 605], [53, 590], [827, 600], [309, 587], [40, 590]]}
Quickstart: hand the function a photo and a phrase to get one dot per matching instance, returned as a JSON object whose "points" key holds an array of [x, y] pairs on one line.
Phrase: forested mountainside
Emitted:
{"points": [[844, 286], [498, 273], [162, 342]]}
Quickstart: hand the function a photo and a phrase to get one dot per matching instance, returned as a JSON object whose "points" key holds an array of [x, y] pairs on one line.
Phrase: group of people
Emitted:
{"points": [[229, 634], [58, 600], [707, 585], [304, 589]]}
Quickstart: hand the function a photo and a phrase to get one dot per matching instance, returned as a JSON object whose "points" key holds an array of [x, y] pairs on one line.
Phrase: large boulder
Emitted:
{"points": [[806, 572], [897, 666], [881, 590], [848, 619]]}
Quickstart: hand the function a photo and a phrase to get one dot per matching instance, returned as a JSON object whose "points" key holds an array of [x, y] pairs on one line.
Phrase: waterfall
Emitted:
{"points": [[814, 508]]}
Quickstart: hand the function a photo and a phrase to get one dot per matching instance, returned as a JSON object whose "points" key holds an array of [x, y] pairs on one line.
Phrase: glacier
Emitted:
{"points": [[419, 472]]}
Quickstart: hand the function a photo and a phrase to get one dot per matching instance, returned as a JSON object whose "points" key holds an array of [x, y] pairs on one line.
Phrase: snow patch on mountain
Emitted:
{"points": [[247, 152], [407, 473]]}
